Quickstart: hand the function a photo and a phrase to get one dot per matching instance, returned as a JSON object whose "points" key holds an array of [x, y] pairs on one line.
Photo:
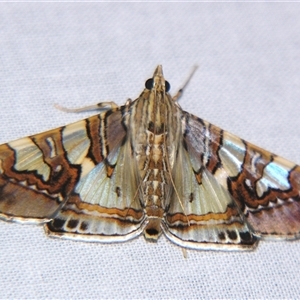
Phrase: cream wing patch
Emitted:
{"points": [[232, 153], [275, 175], [77, 143], [207, 197], [29, 157]]}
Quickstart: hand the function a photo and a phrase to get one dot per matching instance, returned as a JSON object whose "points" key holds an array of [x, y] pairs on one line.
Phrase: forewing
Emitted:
{"points": [[265, 187], [39, 172]]}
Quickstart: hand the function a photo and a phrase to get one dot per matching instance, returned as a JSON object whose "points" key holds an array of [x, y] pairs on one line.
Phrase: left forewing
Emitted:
{"points": [[38, 173]]}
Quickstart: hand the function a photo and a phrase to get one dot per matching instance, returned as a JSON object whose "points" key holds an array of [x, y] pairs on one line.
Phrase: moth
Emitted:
{"points": [[148, 167]]}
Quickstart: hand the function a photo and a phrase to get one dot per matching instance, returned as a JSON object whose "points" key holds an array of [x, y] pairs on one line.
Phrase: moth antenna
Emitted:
{"points": [[180, 91]]}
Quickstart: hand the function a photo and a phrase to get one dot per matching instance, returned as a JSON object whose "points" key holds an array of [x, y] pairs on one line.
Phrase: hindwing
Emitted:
{"points": [[105, 205]]}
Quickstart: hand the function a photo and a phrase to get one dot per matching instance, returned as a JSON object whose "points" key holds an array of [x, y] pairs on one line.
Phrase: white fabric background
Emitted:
{"points": [[77, 54]]}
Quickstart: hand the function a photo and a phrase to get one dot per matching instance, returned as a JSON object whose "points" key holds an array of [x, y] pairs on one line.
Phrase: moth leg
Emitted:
{"points": [[180, 91], [99, 106], [184, 252]]}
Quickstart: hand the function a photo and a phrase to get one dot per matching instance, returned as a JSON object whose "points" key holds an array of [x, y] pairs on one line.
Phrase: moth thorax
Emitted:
{"points": [[153, 231]]}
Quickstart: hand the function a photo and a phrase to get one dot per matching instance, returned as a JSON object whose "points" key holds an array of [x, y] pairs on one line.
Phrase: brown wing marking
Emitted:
{"points": [[30, 193], [274, 209], [105, 131]]}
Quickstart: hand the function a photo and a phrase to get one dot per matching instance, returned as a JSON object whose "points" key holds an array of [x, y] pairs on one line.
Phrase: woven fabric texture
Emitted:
{"points": [[77, 54]]}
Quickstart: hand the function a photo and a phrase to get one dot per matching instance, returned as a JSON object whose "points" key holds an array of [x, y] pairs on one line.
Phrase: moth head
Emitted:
{"points": [[158, 81]]}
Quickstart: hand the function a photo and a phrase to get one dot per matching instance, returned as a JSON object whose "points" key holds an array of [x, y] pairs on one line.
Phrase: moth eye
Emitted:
{"points": [[167, 86], [149, 84]]}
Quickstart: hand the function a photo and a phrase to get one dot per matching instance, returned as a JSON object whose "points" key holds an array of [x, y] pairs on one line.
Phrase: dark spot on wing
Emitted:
{"points": [[232, 234], [118, 191], [245, 236], [57, 223], [222, 236], [84, 226], [72, 223]]}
